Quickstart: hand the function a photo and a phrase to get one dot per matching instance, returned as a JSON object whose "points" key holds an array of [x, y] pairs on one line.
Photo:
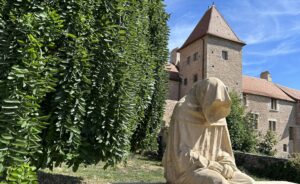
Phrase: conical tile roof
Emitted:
{"points": [[212, 23]]}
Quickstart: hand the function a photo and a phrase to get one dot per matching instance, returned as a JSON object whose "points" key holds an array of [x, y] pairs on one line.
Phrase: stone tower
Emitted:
{"points": [[211, 50]]}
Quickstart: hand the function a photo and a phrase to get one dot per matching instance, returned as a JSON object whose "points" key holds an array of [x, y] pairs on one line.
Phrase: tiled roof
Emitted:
{"points": [[262, 87], [212, 23], [173, 71], [171, 67], [295, 94]]}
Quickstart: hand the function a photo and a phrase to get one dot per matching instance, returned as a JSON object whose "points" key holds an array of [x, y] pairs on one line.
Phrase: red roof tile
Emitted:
{"points": [[173, 71], [212, 23], [262, 87], [171, 68], [295, 94]]}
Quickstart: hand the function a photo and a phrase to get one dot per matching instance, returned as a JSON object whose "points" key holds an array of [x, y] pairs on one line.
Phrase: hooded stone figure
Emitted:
{"points": [[198, 146]]}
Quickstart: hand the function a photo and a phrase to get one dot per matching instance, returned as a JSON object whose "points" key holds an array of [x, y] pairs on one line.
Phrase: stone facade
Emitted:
{"points": [[284, 118], [230, 70], [190, 66], [173, 90], [298, 113], [203, 58]]}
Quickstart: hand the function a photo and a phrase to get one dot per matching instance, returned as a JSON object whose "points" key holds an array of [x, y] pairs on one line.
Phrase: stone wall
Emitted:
{"points": [[229, 71], [187, 69], [284, 117], [209, 62], [298, 113], [173, 90], [267, 167], [170, 105]]}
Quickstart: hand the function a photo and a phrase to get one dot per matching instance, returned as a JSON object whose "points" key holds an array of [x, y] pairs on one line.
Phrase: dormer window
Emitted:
{"points": [[224, 55]]}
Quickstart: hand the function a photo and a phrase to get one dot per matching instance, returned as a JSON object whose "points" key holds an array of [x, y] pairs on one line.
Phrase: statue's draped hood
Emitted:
{"points": [[207, 102]]}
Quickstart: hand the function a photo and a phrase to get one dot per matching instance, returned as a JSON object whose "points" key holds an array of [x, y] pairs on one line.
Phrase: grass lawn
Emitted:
{"points": [[139, 169]]}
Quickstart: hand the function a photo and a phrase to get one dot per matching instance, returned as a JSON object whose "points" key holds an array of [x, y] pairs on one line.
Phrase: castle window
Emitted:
{"points": [[195, 56], [225, 55], [188, 60], [195, 78], [185, 81], [285, 147], [273, 104], [291, 133], [272, 125], [254, 121], [245, 101]]}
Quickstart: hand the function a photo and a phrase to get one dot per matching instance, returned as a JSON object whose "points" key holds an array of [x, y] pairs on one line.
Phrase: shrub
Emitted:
{"points": [[267, 144], [240, 127]]}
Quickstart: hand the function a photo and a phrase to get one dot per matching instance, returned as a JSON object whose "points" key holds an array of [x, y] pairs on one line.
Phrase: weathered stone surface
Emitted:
{"points": [[284, 118], [198, 148]]}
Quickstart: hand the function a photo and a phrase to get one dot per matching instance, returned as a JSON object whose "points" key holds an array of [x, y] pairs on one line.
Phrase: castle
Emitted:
{"points": [[214, 50]]}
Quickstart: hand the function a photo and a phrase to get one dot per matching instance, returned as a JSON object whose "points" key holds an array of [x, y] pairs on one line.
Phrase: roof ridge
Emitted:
{"points": [[209, 19]]}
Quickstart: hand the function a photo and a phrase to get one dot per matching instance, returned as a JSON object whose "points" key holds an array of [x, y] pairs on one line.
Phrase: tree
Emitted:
{"points": [[81, 81], [242, 135]]}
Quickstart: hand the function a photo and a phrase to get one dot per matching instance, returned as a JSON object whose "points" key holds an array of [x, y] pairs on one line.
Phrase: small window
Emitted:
{"points": [[188, 60], [225, 55], [273, 104], [285, 147], [195, 56], [245, 102], [254, 121], [185, 81], [272, 125], [195, 78], [291, 133]]}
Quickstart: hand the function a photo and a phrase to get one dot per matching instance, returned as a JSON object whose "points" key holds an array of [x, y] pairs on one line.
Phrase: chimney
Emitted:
{"points": [[266, 75], [175, 56]]}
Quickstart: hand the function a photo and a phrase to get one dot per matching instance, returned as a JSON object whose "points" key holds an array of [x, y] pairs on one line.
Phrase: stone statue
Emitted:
{"points": [[198, 146]]}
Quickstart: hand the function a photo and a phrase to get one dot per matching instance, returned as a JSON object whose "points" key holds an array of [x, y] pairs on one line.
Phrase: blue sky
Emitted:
{"points": [[271, 29]]}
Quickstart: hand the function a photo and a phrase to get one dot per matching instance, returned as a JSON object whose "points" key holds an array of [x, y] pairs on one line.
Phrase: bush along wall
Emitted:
{"points": [[81, 82], [270, 167]]}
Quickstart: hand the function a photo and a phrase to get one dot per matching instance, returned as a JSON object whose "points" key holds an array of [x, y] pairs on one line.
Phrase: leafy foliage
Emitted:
{"points": [[145, 135], [242, 134], [80, 81], [22, 174], [267, 143]]}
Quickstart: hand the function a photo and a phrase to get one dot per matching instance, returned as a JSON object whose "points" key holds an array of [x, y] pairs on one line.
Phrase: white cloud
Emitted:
{"points": [[254, 63], [265, 21], [283, 48]]}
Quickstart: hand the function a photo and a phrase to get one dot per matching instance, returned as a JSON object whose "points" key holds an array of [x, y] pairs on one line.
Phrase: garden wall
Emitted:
{"points": [[268, 167]]}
